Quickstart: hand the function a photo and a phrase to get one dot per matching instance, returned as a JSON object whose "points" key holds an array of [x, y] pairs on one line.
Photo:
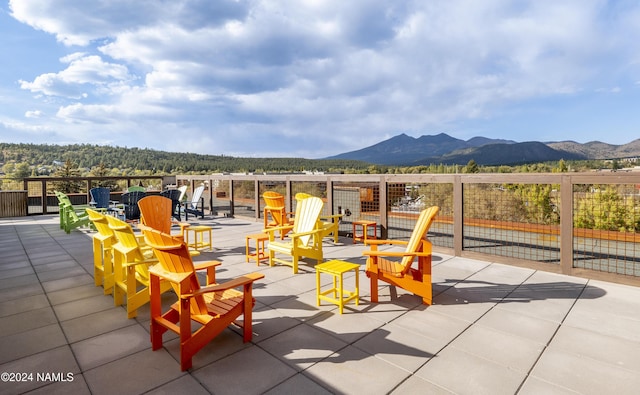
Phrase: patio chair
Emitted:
{"points": [[400, 272], [101, 200], [131, 261], [328, 223], [155, 212], [103, 242], [196, 205], [275, 214], [130, 202], [305, 239], [213, 307], [136, 188], [71, 217], [174, 195]]}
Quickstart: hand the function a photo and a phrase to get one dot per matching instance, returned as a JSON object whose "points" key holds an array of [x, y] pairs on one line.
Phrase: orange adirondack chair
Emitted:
{"points": [[401, 273], [213, 307], [156, 212], [103, 242], [275, 213], [305, 239]]}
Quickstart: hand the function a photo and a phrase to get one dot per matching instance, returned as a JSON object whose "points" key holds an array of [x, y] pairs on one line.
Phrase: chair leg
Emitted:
{"points": [[374, 287]]}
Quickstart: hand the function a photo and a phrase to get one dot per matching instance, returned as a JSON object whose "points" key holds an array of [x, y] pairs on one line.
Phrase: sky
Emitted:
{"points": [[314, 78]]}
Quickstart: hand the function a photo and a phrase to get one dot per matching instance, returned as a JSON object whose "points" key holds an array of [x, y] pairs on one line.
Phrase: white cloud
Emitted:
{"points": [[337, 74], [33, 114]]}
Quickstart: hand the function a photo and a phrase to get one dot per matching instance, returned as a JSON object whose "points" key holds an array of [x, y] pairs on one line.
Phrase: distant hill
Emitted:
{"points": [[403, 150], [503, 154], [407, 150]]}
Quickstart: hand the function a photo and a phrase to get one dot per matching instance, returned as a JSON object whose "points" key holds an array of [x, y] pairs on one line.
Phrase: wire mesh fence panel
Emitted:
{"points": [[406, 200], [244, 193], [221, 201], [356, 201], [318, 189], [512, 220], [606, 221]]}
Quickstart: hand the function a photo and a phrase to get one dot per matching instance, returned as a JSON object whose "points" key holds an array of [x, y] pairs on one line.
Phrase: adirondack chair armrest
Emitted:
{"points": [[177, 278], [377, 242], [272, 231], [235, 283], [277, 228], [210, 267], [206, 264], [331, 218], [399, 254], [145, 262]]}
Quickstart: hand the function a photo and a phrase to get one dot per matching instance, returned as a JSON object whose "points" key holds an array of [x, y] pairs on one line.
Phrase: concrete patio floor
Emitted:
{"points": [[493, 329]]}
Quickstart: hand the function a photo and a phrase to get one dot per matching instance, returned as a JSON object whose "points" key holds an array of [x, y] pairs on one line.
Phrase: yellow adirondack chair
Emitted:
{"points": [[401, 273], [131, 262], [275, 213], [213, 307], [305, 239], [103, 242], [328, 223]]}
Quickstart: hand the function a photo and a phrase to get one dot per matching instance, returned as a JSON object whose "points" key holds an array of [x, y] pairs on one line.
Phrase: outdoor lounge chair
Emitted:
{"points": [[275, 213], [305, 239], [401, 273], [131, 261], [196, 205], [213, 307], [103, 242], [71, 217], [174, 195], [328, 223], [130, 202]]}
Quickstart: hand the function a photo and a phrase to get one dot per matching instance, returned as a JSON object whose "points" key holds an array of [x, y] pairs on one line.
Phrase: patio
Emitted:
{"points": [[493, 328]]}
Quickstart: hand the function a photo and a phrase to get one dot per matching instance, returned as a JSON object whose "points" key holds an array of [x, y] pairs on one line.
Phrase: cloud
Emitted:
{"points": [[331, 73], [83, 75]]}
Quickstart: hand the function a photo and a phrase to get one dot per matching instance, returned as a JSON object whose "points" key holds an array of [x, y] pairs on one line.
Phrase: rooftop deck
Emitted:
{"points": [[493, 329]]}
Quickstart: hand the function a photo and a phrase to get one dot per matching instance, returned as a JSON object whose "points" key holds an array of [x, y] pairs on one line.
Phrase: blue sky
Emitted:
{"points": [[312, 78]]}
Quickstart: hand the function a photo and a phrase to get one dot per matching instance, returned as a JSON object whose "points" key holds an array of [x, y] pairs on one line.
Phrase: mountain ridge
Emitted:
{"points": [[404, 150]]}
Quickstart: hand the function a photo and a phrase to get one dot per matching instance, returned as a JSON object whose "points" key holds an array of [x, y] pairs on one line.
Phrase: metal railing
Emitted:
{"points": [[41, 198], [583, 224]]}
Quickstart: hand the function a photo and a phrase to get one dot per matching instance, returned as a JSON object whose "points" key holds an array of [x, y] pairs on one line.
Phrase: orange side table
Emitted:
{"points": [[364, 226], [259, 253]]}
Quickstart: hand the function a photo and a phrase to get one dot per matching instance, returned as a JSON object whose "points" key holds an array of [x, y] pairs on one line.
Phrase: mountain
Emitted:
{"points": [[503, 154], [403, 150], [599, 150]]}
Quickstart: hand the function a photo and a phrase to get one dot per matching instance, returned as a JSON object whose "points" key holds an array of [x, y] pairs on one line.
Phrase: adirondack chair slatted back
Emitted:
{"points": [[418, 237], [100, 196], [307, 213], [274, 205], [155, 212], [130, 201], [174, 195], [101, 223], [128, 241]]}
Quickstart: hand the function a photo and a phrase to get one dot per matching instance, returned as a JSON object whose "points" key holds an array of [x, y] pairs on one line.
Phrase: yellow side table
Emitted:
{"points": [[199, 242], [337, 269], [259, 253]]}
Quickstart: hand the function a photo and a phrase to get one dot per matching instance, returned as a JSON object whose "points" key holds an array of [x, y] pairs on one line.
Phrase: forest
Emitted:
{"points": [[18, 161]]}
